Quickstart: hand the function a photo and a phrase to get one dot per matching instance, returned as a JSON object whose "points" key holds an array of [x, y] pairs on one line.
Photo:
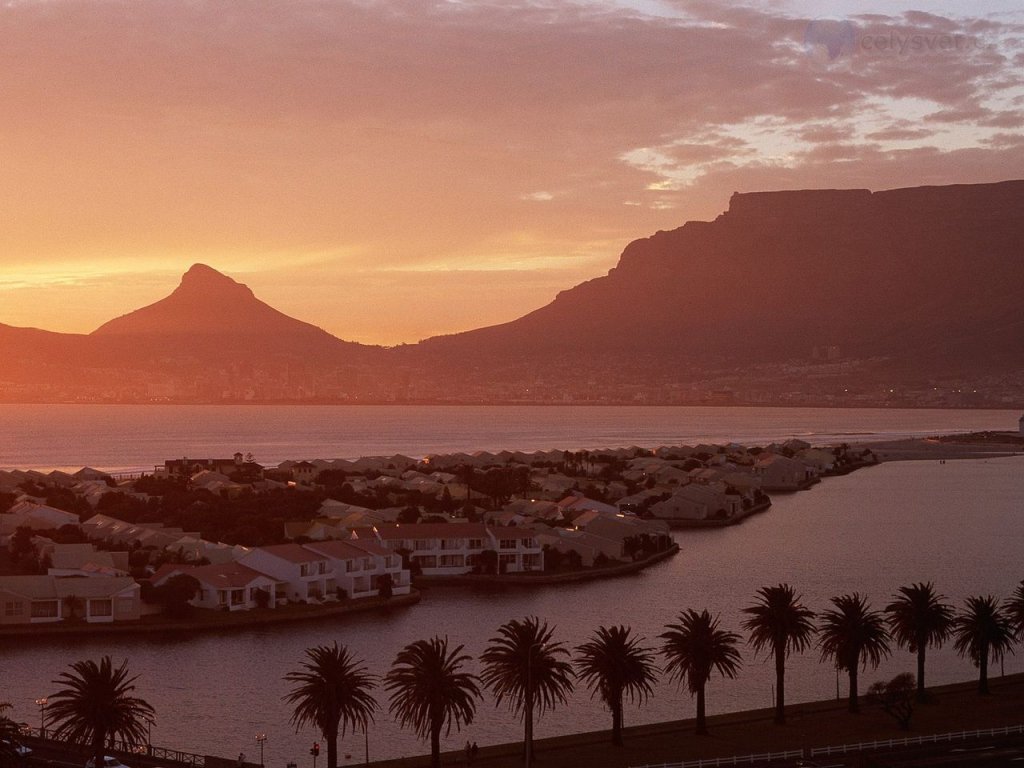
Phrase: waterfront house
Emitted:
{"points": [[49, 599], [38, 517], [698, 502], [301, 575], [359, 564], [223, 586], [780, 473], [455, 548]]}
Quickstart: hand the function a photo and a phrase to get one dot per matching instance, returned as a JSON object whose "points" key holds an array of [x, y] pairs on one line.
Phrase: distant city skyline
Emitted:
{"points": [[392, 172]]}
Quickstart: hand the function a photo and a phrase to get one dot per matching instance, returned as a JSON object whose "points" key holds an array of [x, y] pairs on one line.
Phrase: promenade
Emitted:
{"points": [[954, 708]]}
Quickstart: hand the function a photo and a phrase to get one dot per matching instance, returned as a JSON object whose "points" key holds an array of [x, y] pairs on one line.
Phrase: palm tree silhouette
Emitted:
{"points": [[332, 691], [781, 623], [613, 665], [8, 736], [919, 618], [852, 636], [96, 705], [522, 665], [695, 647], [1014, 609], [982, 631], [430, 692]]}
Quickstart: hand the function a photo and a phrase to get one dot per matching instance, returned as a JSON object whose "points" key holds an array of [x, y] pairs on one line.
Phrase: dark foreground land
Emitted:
{"points": [[954, 708]]}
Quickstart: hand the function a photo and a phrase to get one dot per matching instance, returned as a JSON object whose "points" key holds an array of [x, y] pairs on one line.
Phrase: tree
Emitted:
{"points": [[695, 647], [1014, 609], [430, 692], [98, 704], [332, 692], [523, 666], [852, 635], [781, 623], [918, 619], [614, 665], [8, 736], [982, 631], [895, 697], [176, 594]]}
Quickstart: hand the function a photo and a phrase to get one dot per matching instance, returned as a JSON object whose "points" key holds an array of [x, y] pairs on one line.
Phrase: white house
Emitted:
{"points": [[779, 473], [358, 566], [49, 599], [455, 548], [300, 574], [230, 586], [698, 502]]}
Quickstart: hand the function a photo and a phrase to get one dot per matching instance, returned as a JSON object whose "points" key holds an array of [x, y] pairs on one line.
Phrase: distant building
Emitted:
{"points": [[1020, 426]]}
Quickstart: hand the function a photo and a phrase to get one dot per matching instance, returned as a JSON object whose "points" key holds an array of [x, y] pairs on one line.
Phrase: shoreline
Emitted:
{"points": [[217, 620], [955, 707]]}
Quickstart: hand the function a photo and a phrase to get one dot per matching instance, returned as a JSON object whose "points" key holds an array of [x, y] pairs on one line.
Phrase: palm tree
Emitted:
{"points": [[96, 705], [780, 622], [852, 636], [331, 690], [8, 736], [981, 632], [429, 692], [919, 618], [1015, 610], [695, 647], [613, 665], [522, 665]]}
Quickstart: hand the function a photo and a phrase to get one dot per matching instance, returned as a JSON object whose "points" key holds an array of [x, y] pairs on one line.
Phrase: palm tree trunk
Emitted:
{"points": [[332, 748], [702, 720], [983, 671], [435, 744], [528, 735], [780, 686], [99, 743], [921, 695], [854, 703], [617, 722]]}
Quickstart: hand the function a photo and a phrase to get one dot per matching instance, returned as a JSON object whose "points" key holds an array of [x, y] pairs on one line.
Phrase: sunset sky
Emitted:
{"points": [[395, 170]]}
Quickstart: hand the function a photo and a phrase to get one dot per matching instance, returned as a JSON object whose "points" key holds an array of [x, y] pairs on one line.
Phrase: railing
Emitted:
{"points": [[867, 746], [122, 748], [710, 762]]}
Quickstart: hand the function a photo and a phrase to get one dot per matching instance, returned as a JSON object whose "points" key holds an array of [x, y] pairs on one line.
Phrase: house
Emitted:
{"points": [[38, 517], [358, 566], [49, 599], [238, 467], [698, 502], [83, 560], [779, 473], [223, 586], [301, 575], [455, 548]]}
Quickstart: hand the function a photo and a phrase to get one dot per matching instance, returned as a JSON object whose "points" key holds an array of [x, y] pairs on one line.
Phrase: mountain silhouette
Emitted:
{"points": [[925, 275], [921, 282]]}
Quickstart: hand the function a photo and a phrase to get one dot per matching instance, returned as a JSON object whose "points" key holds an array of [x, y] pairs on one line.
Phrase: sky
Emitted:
{"points": [[391, 171]]}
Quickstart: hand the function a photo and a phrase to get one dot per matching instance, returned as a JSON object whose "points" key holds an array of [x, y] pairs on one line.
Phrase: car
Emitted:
{"points": [[19, 749], [108, 762]]}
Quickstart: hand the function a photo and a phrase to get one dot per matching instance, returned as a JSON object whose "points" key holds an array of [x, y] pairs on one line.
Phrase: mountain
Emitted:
{"points": [[925, 275], [821, 293], [209, 314]]}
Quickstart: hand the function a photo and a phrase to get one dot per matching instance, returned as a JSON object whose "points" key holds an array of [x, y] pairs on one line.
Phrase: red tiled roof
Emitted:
{"points": [[433, 531], [229, 575], [293, 553]]}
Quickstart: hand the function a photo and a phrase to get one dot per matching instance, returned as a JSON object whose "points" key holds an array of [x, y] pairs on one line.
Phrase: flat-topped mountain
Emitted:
{"points": [[927, 274]]}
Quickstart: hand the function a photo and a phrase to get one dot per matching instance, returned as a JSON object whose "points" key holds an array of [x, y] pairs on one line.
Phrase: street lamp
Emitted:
{"points": [[42, 716], [261, 739]]}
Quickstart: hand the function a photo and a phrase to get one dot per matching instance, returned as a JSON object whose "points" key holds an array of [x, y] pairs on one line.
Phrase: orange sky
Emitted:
{"points": [[391, 171]]}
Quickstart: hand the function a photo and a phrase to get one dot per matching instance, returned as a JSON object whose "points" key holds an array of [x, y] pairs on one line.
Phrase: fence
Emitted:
{"points": [[713, 762], [123, 748], [910, 741]]}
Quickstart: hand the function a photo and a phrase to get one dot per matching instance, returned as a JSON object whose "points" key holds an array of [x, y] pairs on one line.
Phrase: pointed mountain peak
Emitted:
{"points": [[201, 279]]}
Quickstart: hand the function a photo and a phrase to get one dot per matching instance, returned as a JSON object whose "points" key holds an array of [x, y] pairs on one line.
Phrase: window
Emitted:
{"points": [[44, 609], [14, 609], [507, 544], [101, 607], [304, 570], [476, 543]]}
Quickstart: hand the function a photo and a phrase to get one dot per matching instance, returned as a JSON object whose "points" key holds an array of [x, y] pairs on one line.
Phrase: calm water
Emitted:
{"points": [[958, 524], [121, 436]]}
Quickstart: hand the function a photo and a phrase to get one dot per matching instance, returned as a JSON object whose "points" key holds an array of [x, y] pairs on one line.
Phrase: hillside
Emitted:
{"points": [[927, 275]]}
